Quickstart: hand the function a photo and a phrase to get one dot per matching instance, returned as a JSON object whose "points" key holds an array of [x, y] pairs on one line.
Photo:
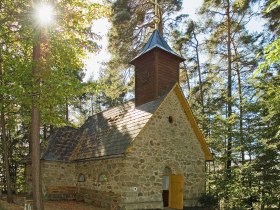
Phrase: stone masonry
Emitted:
{"points": [[173, 145], [134, 181]]}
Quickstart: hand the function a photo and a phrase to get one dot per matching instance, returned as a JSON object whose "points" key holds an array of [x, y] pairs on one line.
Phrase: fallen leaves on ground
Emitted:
{"points": [[54, 205]]}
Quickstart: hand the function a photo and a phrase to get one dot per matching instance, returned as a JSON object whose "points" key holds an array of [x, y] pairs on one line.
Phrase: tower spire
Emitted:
{"points": [[156, 69]]}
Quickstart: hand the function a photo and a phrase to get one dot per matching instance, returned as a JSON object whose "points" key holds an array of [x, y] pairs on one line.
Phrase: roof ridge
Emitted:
{"points": [[109, 108]]}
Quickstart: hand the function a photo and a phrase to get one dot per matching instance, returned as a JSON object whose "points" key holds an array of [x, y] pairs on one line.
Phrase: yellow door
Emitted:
{"points": [[176, 189]]}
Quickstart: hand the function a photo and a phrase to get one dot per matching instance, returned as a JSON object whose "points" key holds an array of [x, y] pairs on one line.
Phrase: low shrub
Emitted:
{"points": [[208, 200]]}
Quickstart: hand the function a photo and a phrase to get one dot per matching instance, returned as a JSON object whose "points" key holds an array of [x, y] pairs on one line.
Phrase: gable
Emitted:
{"points": [[190, 117], [177, 94]]}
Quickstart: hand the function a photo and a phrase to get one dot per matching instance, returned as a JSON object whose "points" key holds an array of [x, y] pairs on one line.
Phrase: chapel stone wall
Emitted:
{"points": [[135, 180], [166, 141], [53, 173], [56, 173], [103, 183]]}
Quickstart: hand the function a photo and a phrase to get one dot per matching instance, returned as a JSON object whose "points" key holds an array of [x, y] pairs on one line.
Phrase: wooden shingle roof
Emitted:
{"points": [[109, 133], [105, 134], [61, 143]]}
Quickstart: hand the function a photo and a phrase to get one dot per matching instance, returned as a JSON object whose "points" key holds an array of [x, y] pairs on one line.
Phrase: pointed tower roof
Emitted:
{"points": [[156, 41]]}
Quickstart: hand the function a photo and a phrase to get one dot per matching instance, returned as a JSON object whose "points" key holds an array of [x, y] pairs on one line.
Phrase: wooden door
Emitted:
{"points": [[176, 189]]}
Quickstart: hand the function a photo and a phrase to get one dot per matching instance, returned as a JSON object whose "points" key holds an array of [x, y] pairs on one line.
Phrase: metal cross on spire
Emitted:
{"points": [[157, 14]]}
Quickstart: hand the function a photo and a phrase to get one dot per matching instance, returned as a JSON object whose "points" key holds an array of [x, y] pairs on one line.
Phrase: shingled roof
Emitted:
{"points": [[61, 144], [105, 134], [156, 41]]}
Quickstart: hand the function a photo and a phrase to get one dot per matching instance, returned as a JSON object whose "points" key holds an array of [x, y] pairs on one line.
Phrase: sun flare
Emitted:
{"points": [[44, 14]]}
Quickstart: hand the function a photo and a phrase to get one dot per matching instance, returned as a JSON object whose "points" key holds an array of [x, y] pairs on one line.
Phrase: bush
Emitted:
{"points": [[208, 200]]}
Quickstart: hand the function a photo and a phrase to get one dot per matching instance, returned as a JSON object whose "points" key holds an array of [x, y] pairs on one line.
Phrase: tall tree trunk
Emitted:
{"points": [[199, 74], [5, 139], [187, 75], [229, 93], [241, 129], [160, 27], [6, 157], [91, 104], [35, 132], [12, 164], [45, 131], [66, 110]]}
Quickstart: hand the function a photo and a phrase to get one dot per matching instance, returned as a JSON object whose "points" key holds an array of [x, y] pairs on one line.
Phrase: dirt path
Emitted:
{"points": [[54, 205]]}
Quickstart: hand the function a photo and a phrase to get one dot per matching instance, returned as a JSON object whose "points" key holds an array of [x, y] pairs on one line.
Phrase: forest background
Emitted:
{"points": [[230, 78]]}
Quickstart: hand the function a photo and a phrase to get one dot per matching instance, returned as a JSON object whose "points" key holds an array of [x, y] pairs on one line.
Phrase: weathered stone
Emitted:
{"points": [[135, 181]]}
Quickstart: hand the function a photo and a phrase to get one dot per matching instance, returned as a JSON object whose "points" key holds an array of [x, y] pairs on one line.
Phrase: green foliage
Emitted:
{"points": [[64, 45], [272, 13], [254, 121], [255, 118], [271, 54], [208, 200], [267, 83]]}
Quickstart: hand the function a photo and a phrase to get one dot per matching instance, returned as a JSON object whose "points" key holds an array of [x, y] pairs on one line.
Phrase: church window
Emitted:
{"points": [[81, 178], [102, 178], [170, 119], [165, 181]]}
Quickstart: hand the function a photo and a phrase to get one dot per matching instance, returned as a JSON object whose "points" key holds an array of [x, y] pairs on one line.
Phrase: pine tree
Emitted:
{"points": [[232, 54], [267, 82], [132, 23]]}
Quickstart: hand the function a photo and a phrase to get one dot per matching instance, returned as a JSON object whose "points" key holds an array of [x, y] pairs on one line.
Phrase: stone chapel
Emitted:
{"points": [[147, 153]]}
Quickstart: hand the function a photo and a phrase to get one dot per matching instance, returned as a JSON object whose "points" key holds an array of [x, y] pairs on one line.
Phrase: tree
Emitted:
{"points": [[60, 62], [271, 12], [267, 82], [231, 51], [44, 62], [190, 47], [6, 155], [10, 58], [132, 23]]}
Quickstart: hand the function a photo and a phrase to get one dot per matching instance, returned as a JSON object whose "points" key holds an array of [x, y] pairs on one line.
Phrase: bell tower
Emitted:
{"points": [[156, 69]]}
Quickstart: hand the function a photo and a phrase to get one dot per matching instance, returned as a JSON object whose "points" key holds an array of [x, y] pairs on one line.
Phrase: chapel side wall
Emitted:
{"points": [[106, 193], [162, 144], [112, 168], [56, 173]]}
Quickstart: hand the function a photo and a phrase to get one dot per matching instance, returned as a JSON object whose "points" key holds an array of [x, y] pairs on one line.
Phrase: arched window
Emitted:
{"points": [[165, 185], [102, 178], [81, 178], [165, 179]]}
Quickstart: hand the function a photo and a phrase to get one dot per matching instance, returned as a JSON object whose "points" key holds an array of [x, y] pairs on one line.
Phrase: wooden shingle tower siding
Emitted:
{"points": [[156, 69]]}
